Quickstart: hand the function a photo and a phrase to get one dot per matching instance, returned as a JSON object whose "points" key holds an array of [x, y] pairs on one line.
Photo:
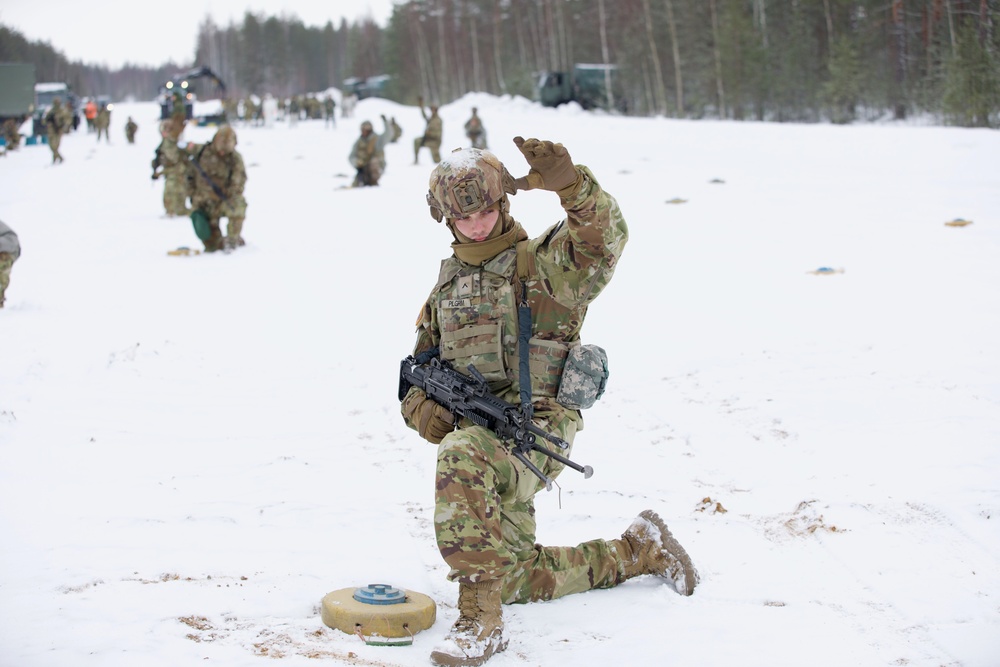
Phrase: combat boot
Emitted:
{"points": [[647, 547], [478, 633]]}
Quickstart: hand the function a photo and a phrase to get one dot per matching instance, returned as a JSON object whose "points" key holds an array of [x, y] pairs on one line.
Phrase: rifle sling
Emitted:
{"points": [[197, 165]]}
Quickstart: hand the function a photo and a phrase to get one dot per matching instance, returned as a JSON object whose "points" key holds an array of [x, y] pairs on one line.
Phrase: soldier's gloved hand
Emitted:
{"points": [[551, 166], [432, 420]]}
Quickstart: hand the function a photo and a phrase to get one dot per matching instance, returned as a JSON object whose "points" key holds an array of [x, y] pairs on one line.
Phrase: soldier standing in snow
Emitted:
{"points": [[56, 124], [484, 500], [432, 134], [475, 131], [102, 122], [130, 128], [219, 179], [10, 250]]}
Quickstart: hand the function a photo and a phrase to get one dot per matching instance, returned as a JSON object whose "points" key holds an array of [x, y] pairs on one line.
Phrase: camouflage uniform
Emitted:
{"points": [[130, 128], [12, 133], [367, 157], [10, 250], [330, 109], [432, 135], [475, 131], [176, 169], [102, 122], [55, 126], [484, 509], [222, 166]]}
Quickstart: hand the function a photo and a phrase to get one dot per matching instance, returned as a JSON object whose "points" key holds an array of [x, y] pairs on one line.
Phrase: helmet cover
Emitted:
{"points": [[467, 181], [225, 139]]}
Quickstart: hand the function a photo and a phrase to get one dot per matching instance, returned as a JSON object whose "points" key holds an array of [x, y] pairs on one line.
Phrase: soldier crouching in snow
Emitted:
{"points": [[484, 500], [218, 181]]}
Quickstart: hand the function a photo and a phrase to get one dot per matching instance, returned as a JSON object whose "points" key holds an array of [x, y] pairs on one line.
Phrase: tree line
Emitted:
{"points": [[772, 60]]}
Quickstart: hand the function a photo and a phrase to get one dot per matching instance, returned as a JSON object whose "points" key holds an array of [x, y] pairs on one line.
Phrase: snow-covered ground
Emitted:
{"points": [[195, 450]]}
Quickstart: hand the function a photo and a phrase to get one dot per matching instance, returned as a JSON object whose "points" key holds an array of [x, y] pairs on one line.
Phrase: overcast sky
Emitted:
{"points": [[115, 33]]}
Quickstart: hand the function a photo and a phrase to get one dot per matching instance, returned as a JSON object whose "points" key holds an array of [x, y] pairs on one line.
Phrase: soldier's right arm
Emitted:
{"points": [[420, 413]]}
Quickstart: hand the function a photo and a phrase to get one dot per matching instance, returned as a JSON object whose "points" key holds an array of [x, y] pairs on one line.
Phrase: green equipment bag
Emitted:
{"points": [[201, 227]]}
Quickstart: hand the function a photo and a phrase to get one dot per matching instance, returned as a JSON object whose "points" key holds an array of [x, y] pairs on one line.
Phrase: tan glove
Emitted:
{"points": [[432, 420], [551, 166]]}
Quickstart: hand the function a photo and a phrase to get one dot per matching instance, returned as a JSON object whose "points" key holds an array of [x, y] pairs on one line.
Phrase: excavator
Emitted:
{"points": [[180, 90]]}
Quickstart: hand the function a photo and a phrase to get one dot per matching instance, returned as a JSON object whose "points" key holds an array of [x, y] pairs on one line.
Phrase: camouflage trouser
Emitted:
{"points": [[54, 139], [369, 174], [433, 144], [234, 210], [6, 262], [175, 191], [484, 520]]}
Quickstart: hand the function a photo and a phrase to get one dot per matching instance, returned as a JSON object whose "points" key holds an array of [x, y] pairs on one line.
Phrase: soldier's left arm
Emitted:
{"points": [[577, 257]]}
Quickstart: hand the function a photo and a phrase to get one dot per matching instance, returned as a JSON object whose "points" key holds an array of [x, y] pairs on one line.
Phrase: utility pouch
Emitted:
{"points": [[584, 377], [201, 227]]}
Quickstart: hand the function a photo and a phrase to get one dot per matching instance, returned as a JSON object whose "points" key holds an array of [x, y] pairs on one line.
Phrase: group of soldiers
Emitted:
{"points": [[58, 121], [211, 176], [367, 155], [256, 111]]}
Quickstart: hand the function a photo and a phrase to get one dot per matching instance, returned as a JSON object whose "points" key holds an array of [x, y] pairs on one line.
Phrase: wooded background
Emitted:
{"points": [[774, 60]]}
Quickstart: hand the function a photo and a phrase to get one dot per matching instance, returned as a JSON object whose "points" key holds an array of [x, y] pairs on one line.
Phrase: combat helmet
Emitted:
{"points": [[367, 126], [468, 181], [225, 139]]}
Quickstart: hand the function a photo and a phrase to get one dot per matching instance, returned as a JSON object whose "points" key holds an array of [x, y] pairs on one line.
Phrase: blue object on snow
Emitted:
{"points": [[379, 594]]}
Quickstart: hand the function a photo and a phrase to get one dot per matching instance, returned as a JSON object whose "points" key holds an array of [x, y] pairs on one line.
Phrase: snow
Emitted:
{"points": [[195, 450]]}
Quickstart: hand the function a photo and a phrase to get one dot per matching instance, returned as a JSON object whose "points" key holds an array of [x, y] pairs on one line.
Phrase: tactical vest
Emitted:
{"points": [[477, 316]]}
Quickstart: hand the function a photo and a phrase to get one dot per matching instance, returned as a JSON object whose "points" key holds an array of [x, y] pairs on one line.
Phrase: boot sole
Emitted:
{"points": [[685, 585], [448, 660]]}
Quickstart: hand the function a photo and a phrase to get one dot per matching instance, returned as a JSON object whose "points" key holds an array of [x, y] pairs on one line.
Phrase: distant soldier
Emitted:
{"points": [[365, 157], [10, 250], [330, 108], [397, 131], [130, 128], [12, 133], [102, 122], [56, 125], [172, 163], [248, 110], [432, 134], [347, 104], [219, 180], [475, 131]]}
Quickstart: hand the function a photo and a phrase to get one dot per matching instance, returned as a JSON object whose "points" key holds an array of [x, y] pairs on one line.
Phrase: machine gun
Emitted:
{"points": [[470, 397]]}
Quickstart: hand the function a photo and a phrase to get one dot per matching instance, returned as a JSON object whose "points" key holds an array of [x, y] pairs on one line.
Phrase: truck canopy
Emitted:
{"points": [[17, 90]]}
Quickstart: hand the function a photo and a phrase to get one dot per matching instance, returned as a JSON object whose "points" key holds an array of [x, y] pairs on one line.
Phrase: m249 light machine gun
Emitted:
{"points": [[470, 397]]}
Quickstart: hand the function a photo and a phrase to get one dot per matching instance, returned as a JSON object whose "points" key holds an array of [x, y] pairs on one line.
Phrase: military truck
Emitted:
{"points": [[372, 86], [17, 90], [586, 84], [17, 95]]}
